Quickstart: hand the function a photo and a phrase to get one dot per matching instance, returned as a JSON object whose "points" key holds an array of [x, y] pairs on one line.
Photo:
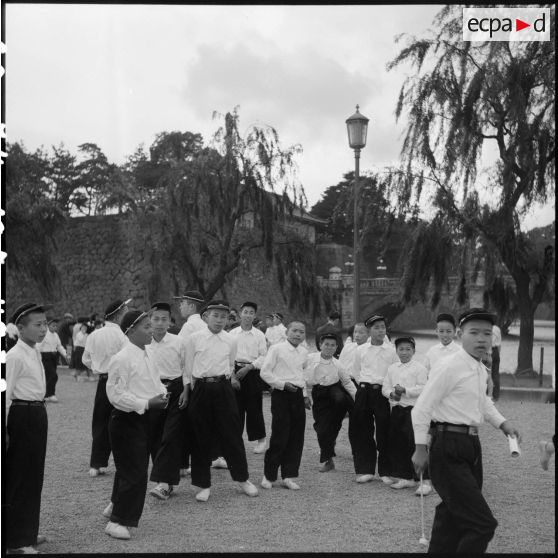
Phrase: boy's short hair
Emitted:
{"points": [[296, 322], [328, 336], [250, 305], [408, 339], [476, 314], [161, 306], [444, 317], [334, 315]]}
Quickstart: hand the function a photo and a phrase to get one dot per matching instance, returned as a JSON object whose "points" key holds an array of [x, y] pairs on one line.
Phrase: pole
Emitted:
{"points": [[356, 252], [541, 368]]}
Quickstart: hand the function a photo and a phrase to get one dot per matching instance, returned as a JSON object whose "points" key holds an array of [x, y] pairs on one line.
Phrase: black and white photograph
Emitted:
{"points": [[278, 278]]}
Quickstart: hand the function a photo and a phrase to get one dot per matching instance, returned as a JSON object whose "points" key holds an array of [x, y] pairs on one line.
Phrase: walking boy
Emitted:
{"points": [[49, 348], [454, 400], [445, 330], [27, 427], [251, 351], [134, 389], [403, 383], [283, 370], [101, 345], [167, 352], [213, 410], [371, 411], [333, 395]]}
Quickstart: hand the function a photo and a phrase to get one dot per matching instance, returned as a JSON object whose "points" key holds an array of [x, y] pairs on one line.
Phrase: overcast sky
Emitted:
{"points": [[116, 75]]}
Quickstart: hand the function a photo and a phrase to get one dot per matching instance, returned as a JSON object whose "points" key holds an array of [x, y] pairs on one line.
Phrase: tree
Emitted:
{"points": [[212, 207], [464, 99]]}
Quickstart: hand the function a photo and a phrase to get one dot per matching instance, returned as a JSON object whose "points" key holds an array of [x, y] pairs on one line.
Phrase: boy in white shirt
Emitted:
{"points": [[445, 330], [283, 370], [277, 332], [50, 347], [333, 395], [403, 383]]}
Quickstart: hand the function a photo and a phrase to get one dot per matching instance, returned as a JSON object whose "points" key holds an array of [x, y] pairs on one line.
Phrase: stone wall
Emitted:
{"points": [[100, 259]]}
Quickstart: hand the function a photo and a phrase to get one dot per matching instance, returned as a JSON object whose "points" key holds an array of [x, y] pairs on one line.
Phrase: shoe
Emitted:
{"points": [[260, 447], [387, 480], [403, 483], [40, 540], [185, 472], [102, 470], [203, 495], [327, 466], [266, 484], [22, 550], [117, 531], [364, 478], [91, 379], [425, 490], [93, 472], [248, 488], [290, 484], [219, 463], [545, 455], [53, 399], [79, 379], [107, 512], [161, 492]]}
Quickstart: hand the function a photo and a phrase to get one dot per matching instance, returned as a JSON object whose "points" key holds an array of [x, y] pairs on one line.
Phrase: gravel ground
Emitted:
{"points": [[330, 514]]}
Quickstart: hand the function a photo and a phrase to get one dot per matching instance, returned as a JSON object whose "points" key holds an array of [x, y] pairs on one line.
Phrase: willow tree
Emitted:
{"points": [[216, 207], [480, 128]]}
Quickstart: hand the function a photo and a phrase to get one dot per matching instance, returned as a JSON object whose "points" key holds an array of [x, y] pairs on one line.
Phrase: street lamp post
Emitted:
{"points": [[357, 128]]}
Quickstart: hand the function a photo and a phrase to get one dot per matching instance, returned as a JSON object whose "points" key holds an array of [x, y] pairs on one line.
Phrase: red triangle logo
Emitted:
{"points": [[519, 25]]}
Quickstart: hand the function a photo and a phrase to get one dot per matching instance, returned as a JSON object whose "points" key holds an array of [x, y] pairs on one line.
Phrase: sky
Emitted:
{"points": [[116, 75]]}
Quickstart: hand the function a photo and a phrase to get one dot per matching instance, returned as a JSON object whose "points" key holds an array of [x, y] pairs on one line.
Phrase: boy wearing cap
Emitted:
{"points": [[134, 389], [49, 348], [369, 425], [445, 330], [347, 357], [277, 332], [212, 409], [26, 434], [250, 354], [190, 304], [101, 345], [403, 383], [333, 395], [283, 370], [167, 352], [453, 404], [333, 325]]}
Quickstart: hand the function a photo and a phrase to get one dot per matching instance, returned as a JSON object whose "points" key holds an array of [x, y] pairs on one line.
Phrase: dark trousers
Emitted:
{"points": [[463, 521], [495, 373], [129, 436], [167, 437], [370, 416], [288, 421], [100, 448], [50, 362], [329, 407], [213, 413], [401, 443], [249, 400], [27, 428]]}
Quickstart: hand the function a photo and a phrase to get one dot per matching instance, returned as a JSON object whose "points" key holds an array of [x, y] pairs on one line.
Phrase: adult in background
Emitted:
{"points": [[26, 434], [50, 347], [251, 351], [167, 352], [101, 345], [333, 325]]}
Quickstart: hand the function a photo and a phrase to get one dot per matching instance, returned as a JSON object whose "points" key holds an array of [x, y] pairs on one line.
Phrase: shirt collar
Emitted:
{"points": [[193, 317], [472, 362], [26, 347], [111, 324]]}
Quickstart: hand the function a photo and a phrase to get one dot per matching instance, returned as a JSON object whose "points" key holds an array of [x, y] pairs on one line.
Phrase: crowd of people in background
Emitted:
{"points": [[183, 397]]}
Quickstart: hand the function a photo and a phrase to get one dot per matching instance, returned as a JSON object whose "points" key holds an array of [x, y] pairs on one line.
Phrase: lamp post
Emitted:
{"points": [[357, 127]]}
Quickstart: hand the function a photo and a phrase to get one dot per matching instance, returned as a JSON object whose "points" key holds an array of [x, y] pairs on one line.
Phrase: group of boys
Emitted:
{"points": [[164, 395]]}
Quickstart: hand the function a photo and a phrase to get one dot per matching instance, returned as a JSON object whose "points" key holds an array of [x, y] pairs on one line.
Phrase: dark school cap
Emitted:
{"points": [[116, 305], [28, 308], [329, 336], [250, 304], [161, 306], [476, 314], [278, 315], [445, 318], [373, 319], [53, 319], [196, 296], [407, 339], [130, 319], [217, 305]]}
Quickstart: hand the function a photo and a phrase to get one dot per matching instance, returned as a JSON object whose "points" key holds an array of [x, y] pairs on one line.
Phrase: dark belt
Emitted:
{"points": [[212, 379], [373, 386], [28, 403], [319, 386], [458, 428]]}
